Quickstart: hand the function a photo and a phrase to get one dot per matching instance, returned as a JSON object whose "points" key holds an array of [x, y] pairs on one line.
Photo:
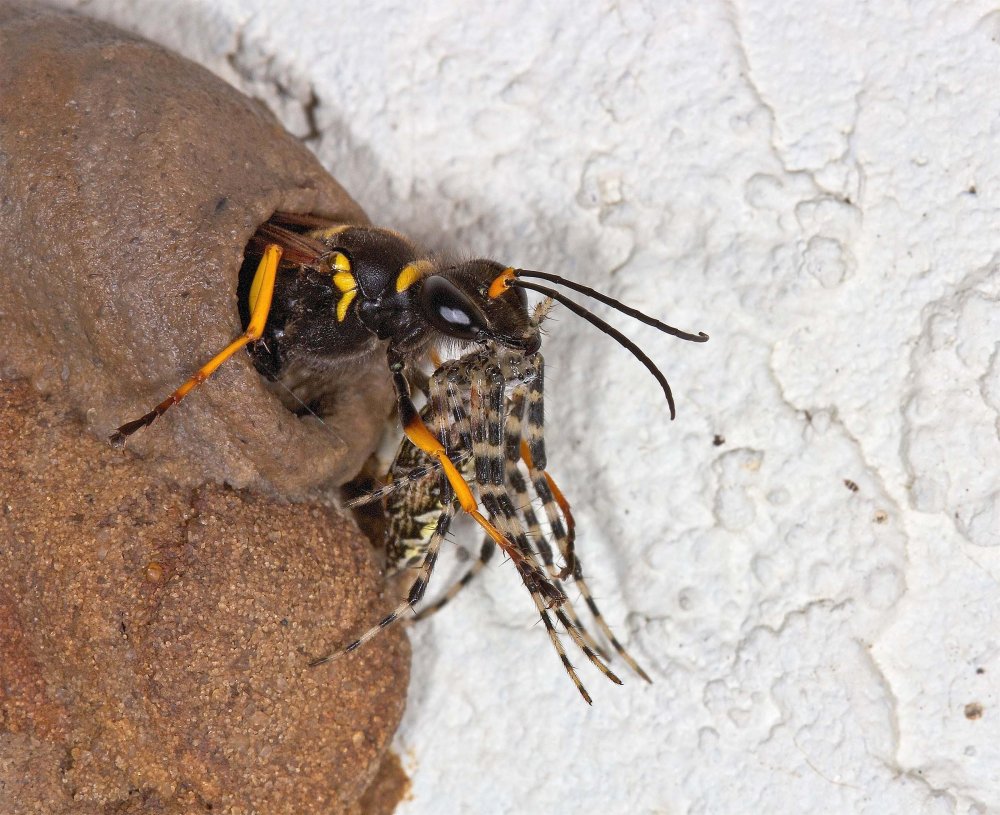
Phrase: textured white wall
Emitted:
{"points": [[816, 184]]}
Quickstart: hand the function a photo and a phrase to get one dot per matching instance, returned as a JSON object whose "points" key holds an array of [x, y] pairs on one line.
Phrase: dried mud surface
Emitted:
{"points": [[155, 625], [130, 183], [154, 638]]}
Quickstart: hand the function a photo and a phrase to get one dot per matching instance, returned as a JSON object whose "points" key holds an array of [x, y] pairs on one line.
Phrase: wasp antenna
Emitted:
{"points": [[635, 314], [614, 333]]}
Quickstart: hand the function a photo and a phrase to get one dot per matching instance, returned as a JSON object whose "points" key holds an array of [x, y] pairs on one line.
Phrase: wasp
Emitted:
{"points": [[325, 294]]}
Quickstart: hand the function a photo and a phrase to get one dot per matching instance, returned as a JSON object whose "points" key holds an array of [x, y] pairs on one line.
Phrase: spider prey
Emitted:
{"points": [[323, 294], [419, 510]]}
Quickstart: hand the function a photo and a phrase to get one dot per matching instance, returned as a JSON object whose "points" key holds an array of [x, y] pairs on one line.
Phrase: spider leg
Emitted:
{"points": [[485, 554], [554, 504], [444, 389], [513, 450], [588, 598], [411, 477], [448, 401], [418, 433], [446, 499], [445, 386], [602, 624], [417, 588], [261, 294], [491, 469]]}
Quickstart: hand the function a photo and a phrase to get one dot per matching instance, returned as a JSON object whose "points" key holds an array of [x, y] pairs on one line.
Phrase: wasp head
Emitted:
{"points": [[456, 301]]}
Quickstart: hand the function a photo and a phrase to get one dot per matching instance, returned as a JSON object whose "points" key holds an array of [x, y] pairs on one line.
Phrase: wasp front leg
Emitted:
{"points": [[261, 295]]}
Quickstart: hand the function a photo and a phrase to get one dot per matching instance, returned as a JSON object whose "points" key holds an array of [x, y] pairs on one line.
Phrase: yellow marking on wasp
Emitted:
{"points": [[345, 303], [502, 282], [411, 273], [331, 232], [345, 281], [340, 262]]}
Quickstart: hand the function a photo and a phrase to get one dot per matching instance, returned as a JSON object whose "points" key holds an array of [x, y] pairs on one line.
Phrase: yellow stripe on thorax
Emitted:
{"points": [[329, 232], [344, 280], [411, 273]]}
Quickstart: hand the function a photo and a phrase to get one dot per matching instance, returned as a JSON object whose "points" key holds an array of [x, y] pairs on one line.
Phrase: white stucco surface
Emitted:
{"points": [[817, 186]]}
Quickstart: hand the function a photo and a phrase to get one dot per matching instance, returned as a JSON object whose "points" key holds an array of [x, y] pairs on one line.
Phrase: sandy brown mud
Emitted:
{"points": [[155, 625]]}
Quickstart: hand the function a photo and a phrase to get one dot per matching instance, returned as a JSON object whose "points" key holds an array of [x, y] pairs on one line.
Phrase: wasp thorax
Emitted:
{"points": [[456, 302]]}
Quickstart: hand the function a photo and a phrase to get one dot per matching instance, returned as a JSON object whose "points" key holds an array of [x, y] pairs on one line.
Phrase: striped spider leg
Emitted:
{"points": [[423, 507], [456, 379], [449, 506], [445, 403], [555, 506], [468, 407], [518, 488], [466, 385], [412, 512], [412, 500], [489, 452]]}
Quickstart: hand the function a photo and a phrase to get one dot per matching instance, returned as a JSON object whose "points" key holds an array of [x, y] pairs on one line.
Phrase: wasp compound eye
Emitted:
{"points": [[449, 310]]}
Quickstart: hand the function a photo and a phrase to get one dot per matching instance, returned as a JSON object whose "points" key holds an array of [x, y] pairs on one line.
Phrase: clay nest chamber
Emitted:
{"points": [[158, 607]]}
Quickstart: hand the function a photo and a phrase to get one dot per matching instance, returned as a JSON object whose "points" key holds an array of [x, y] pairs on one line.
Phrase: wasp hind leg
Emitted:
{"points": [[261, 294]]}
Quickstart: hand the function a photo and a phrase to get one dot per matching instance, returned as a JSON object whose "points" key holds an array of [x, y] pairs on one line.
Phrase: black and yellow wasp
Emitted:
{"points": [[323, 294]]}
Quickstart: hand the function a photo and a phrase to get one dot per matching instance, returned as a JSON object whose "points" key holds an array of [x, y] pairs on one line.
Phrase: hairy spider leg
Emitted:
{"points": [[530, 446], [541, 481], [448, 377], [514, 451], [415, 476], [485, 555], [419, 434], [566, 613], [416, 591], [419, 585], [261, 294], [491, 469], [460, 424], [585, 592], [495, 465]]}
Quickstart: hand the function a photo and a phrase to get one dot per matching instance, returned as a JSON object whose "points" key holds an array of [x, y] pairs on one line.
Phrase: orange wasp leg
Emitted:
{"points": [[261, 294]]}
